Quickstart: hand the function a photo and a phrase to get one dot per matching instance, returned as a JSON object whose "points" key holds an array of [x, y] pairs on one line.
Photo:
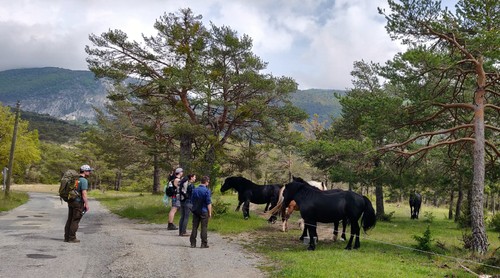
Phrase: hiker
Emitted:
{"points": [[176, 203], [202, 211], [78, 206], [185, 191]]}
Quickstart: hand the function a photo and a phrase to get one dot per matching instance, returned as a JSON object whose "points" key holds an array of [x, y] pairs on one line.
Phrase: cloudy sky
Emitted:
{"points": [[313, 41]]}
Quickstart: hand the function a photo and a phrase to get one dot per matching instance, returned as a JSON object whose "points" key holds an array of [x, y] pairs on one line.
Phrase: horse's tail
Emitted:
{"points": [[277, 209], [369, 218]]}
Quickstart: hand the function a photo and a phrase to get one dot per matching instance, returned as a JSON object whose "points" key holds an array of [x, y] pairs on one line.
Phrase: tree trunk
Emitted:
{"points": [[118, 180], [379, 196], [156, 174], [479, 238], [210, 169], [450, 209], [186, 153], [460, 199]]}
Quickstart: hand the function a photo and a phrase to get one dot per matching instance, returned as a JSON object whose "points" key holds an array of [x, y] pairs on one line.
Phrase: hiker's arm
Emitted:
{"points": [[209, 210], [85, 200]]}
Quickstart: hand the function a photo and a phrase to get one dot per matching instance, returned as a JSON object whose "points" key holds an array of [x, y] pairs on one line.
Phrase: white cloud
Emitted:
{"points": [[315, 42]]}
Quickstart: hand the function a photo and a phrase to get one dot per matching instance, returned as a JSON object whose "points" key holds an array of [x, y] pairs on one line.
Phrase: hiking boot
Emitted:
{"points": [[171, 227], [204, 246], [74, 240]]}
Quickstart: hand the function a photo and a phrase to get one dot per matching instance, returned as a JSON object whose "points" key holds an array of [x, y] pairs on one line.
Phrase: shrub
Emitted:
{"points": [[429, 217], [424, 241], [219, 207], [386, 217], [495, 222]]}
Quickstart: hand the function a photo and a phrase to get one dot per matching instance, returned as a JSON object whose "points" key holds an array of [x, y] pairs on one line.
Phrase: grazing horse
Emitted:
{"points": [[327, 207], [249, 192], [415, 202], [293, 207]]}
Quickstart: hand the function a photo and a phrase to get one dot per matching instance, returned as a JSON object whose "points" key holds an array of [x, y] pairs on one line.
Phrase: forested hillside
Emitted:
{"points": [[52, 129]]}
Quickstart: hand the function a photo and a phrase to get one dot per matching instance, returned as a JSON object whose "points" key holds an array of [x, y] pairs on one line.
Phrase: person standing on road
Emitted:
{"points": [[77, 207], [202, 211], [185, 191], [176, 202]]}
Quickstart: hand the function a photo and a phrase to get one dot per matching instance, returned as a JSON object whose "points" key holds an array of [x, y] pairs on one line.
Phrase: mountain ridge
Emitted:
{"points": [[71, 94]]}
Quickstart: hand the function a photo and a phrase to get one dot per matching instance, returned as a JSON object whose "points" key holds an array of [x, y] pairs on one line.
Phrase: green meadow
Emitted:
{"points": [[388, 250]]}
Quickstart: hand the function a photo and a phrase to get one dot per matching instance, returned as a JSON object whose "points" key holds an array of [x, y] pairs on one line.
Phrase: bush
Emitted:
{"points": [[429, 217], [386, 217], [424, 241], [495, 222], [219, 207]]}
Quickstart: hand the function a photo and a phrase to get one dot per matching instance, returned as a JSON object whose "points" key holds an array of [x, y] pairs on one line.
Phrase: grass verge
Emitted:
{"points": [[384, 250], [13, 201]]}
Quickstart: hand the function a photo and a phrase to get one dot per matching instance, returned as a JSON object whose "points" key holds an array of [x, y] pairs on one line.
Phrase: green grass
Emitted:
{"points": [[13, 201], [382, 252]]}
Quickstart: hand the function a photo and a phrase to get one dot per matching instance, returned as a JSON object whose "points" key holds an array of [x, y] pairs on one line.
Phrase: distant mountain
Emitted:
{"points": [[70, 95], [61, 93]]}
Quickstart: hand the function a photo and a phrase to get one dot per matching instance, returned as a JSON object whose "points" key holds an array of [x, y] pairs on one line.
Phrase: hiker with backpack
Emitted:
{"points": [[202, 211], [77, 200], [176, 203], [185, 190]]}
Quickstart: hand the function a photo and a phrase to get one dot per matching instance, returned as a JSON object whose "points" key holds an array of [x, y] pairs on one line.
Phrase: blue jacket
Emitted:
{"points": [[202, 192]]}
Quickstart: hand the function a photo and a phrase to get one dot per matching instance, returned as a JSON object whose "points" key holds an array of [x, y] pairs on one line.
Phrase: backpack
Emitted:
{"points": [[170, 191], [69, 183]]}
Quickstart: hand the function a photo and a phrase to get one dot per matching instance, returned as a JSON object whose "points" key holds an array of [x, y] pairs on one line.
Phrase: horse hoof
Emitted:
{"points": [[301, 238], [348, 248], [246, 217], [311, 248]]}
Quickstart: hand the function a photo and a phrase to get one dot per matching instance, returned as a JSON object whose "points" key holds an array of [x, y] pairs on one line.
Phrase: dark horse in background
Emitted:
{"points": [[320, 206], [415, 202], [249, 192]]}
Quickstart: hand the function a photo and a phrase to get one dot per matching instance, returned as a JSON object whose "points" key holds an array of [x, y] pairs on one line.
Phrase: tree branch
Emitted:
{"points": [[467, 139], [391, 146]]}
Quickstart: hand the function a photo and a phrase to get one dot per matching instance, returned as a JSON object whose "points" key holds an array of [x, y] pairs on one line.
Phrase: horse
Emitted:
{"points": [[249, 192], [327, 207], [293, 207], [415, 202]]}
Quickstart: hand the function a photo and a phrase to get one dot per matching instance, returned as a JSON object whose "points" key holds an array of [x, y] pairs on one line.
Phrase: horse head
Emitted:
{"points": [[234, 182]]}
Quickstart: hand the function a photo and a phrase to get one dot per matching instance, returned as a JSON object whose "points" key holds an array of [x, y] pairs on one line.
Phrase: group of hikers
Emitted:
{"points": [[184, 197]]}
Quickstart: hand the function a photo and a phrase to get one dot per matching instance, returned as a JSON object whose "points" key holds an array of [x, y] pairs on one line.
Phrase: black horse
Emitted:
{"points": [[249, 192], [335, 223], [415, 202], [319, 206]]}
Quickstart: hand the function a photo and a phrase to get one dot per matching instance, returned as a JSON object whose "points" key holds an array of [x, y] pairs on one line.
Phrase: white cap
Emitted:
{"points": [[85, 168], [179, 170]]}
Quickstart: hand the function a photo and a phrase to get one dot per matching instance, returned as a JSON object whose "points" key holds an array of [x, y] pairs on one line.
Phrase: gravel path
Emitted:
{"points": [[31, 238]]}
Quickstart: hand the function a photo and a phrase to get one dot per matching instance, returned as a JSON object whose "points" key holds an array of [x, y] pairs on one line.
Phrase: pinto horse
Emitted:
{"points": [[249, 192], [415, 202], [327, 207], [293, 207]]}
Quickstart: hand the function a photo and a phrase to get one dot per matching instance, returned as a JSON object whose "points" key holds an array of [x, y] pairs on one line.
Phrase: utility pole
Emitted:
{"points": [[12, 148]]}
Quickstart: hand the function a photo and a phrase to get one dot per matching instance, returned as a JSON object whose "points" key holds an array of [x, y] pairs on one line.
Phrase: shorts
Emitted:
{"points": [[176, 202]]}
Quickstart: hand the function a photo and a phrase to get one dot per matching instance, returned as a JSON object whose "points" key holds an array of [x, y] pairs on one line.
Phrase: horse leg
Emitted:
{"points": [[349, 244], [311, 227], [239, 205], [267, 207], [335, 230], [356, 229], [344, 225], [246, 209], [304, 234]]}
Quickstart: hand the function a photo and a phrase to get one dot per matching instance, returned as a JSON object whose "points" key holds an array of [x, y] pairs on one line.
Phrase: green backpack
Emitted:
{"points": [[69, 184]]}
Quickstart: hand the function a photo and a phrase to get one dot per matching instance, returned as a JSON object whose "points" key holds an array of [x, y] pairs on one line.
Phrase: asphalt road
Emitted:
{"points": [[31, 245]]}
